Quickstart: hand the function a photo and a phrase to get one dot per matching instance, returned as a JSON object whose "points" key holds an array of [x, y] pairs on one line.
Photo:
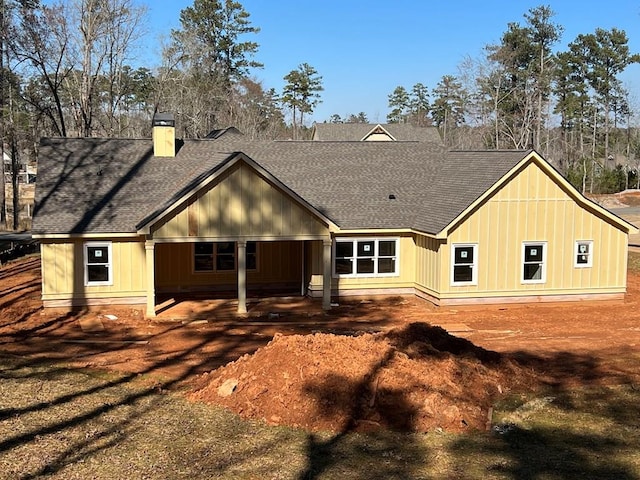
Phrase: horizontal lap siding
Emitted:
{"points": [[240, 204], [533, 207], [278, 263], [63, 271]]}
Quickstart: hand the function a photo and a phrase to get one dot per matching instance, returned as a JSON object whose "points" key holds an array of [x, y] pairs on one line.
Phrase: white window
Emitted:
{"points": [[534, 258], [464, 266], [98, 269], [360, 257], [583, 254], [221, 256]]}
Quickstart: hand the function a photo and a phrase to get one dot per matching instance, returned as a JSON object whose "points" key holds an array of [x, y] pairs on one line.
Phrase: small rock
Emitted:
{"points": [[228, 387]]}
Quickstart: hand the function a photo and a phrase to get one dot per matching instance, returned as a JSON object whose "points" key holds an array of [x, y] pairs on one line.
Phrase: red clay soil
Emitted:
{"points": [[414, 378], [397, 363]]}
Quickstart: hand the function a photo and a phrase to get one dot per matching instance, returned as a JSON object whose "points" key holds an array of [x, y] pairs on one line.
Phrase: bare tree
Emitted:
{"points": [[40, 44], [105, 37]]}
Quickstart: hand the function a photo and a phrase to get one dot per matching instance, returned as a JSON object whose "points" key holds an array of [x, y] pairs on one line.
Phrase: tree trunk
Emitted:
{"points": [[3, 201], [15, 171], [538, 134], [495, 109]]}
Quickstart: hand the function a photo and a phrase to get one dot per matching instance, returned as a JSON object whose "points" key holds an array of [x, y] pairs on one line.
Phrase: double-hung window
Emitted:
{"points": [[98, 268], [365, 257], [583, 254], [464, 264], [534, 262], [221, 256]]}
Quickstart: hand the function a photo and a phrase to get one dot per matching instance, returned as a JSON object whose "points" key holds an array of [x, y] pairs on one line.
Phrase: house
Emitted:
{"points": [[367, 132], [26, 173], [121, 221]]}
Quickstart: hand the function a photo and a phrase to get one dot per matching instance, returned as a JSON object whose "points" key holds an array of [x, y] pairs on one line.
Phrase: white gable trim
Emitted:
{"points": [[374, 131]]}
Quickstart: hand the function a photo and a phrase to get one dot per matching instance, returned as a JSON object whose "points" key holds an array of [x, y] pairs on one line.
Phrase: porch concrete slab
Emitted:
{"points": [[275, 308]]}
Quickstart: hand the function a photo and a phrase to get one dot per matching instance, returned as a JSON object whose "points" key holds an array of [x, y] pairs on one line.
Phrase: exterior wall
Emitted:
{"points": [[404, 282], [429, 263], [241, 204], [279, 266], [533, 207], [63, 273]]}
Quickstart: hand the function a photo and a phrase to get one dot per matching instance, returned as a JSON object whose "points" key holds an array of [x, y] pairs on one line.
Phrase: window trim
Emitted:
{"points": [[376, 257], [215, 254], [543, 262], [474, 265], [109, 264], [576, 253]]}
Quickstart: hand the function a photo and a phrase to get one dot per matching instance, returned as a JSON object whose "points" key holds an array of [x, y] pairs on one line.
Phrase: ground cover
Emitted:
{"points": [[562, 390]]}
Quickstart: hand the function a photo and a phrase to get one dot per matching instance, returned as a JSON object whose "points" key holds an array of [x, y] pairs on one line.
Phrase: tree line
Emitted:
{"points": [[70, 68], [570, 106]]}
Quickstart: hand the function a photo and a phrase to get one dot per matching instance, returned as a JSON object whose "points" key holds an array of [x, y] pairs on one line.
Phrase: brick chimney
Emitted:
{"points": [[164, 135]]}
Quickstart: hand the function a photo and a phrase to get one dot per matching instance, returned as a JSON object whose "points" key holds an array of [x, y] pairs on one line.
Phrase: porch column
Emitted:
{"points": [[242, 276], [149, 247], [326, 274]]}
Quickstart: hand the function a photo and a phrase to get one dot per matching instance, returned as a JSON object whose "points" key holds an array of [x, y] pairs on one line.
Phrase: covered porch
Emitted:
{"points": [[237, 274], [234, 230]]}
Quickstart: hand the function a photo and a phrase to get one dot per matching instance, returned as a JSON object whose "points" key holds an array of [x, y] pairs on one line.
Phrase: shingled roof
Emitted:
{"points": [[355, 132], [111, 185]]}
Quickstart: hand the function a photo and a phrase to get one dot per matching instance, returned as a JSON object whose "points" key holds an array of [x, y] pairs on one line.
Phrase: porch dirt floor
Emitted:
{"points": [[395, 362]]}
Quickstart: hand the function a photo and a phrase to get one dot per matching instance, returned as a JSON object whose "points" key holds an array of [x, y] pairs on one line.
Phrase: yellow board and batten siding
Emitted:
{"points": [[428, 264], [279, 264], [239, 205], [532, 207], [63, 271], [404, 279]]}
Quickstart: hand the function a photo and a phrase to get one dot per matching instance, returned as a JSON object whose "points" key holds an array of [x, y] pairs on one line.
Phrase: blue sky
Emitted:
{"points": [[364, 49]]}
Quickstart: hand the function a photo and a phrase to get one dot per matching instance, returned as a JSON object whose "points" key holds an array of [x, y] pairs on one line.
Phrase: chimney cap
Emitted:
{"points": [[164, 120]]}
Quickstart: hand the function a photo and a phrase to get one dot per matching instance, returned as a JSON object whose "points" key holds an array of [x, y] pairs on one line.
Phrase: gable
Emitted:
{"points": [[534, 181], [239, 203], [378, 134], [532, 205]]}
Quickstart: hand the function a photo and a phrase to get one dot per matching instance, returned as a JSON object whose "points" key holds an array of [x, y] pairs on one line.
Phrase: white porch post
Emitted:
{"points": [[326, 274], [242, 276], [149, 247]]}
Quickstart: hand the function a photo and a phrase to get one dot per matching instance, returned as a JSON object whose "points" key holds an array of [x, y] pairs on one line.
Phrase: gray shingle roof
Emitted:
{"points": [[355, 132], [110, 186]]}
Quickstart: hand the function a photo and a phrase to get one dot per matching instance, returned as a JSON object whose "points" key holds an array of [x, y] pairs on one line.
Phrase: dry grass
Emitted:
{"points": [[633, 264], [70, 424]]}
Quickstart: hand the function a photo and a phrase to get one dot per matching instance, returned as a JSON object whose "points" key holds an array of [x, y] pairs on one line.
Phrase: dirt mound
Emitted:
{"points": [[627, 198], [416, 378]]}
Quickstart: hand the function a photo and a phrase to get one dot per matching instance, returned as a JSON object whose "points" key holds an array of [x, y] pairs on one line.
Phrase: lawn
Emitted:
{"points": [[58, 422]]}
